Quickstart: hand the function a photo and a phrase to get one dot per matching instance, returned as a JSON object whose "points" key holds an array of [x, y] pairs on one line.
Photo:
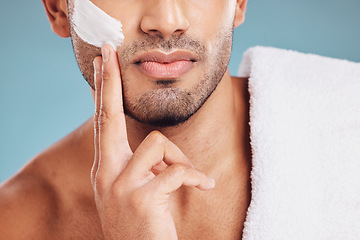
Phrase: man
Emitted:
{"points": [[162, 138]]}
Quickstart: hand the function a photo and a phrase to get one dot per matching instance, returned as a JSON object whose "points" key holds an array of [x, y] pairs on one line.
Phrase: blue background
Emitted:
{"points": [[44, 97]]}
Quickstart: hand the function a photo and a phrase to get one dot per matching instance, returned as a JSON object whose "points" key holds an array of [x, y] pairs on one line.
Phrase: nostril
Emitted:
{"points": [[164, 19], [153, 32]]}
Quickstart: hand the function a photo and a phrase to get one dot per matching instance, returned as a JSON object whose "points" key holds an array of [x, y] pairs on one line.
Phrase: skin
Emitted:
{"points": [[124, 180], [143, 97]]}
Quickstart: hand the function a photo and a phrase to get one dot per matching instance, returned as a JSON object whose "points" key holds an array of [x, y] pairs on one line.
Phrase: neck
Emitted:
{"points": [[215, 139], [212, 137]]}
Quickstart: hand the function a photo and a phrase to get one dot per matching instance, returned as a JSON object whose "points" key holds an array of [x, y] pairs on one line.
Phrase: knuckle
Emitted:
{"points": [[117, 190], [178, 169], [106, 74], [157, 137], [104, 116], [173, 175]]}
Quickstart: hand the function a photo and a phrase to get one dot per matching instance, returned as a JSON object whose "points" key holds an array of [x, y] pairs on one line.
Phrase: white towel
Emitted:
{"points": [[305, 138]]}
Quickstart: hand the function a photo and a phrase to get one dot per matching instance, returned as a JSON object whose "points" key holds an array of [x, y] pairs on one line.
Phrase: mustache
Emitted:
{"points": [[157, 42]]}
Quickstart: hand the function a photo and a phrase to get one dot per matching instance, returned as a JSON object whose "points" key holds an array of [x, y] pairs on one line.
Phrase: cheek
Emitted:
{"points": [[128, 12], [210, 18], [93, 25], [205, 16], [85, 54]]}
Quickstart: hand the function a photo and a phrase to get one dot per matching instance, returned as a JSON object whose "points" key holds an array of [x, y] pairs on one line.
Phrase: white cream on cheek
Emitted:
{"points": [[96, 27]]}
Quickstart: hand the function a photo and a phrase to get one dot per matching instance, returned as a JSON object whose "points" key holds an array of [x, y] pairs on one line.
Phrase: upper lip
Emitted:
{"points": [[160, 57]]}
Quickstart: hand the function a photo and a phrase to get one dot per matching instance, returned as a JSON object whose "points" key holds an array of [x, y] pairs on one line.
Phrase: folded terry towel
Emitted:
{"points": [[305, 138]]}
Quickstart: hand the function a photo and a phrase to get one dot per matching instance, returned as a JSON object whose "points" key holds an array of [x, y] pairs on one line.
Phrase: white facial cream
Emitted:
{"points": [[94, 26]]}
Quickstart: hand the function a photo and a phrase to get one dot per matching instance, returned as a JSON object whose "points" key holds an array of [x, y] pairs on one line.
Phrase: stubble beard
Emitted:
{"points": [[169, 106]]}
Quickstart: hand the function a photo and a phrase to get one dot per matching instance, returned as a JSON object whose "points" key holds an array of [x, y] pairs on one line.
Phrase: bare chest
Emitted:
{"points": [[221, 220], [216, 214]]}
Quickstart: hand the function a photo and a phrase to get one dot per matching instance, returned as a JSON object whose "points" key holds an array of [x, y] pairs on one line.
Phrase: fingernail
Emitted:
{"points": [[105, 54]]}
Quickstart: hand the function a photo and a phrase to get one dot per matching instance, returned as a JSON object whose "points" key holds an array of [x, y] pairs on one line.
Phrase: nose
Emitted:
{"points": [[164, 17]]}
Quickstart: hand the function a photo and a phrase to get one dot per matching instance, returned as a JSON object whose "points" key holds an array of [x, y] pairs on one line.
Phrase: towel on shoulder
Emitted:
{"points": [[305, 138]]}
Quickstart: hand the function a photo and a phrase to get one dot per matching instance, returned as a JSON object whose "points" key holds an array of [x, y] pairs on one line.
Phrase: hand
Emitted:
{"points": [[132, 189]]}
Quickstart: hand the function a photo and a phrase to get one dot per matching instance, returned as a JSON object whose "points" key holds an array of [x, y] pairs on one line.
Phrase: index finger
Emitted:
{"points": [[114, 150]]}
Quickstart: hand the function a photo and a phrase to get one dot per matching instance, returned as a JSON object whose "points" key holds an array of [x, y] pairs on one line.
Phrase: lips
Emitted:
{"points": [[159, 65]]}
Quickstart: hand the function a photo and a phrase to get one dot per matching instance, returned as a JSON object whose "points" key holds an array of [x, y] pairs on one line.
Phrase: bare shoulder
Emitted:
{"points": [[27, 204], [36, 202]]}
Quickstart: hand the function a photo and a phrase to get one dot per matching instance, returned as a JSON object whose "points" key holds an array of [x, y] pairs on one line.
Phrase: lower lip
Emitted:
{"points": [[165, 70]]}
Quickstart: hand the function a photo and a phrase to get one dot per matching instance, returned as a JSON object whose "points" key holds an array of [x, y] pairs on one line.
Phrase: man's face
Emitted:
{"points": [[157, 90]]}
